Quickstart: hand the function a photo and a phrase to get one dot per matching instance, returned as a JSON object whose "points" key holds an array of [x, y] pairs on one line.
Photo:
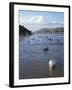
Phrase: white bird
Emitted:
{"points": [[52, 63]]}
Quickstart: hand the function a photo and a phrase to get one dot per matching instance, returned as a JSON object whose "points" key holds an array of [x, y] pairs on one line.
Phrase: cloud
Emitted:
{"points": [[32, 20], [40, 19], [34, 23]]}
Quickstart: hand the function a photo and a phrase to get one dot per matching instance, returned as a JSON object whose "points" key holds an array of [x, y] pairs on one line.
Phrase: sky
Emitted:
{"points": [[36, 20]]}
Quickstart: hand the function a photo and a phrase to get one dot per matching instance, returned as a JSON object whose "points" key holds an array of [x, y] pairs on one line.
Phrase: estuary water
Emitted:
{"points": [[34, 59]]}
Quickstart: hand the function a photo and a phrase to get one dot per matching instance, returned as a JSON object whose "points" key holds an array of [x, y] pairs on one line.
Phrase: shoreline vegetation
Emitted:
{"points": [[23, 31]]}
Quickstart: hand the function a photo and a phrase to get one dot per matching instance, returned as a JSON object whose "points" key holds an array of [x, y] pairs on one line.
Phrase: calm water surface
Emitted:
{"points": [[33, 60]]}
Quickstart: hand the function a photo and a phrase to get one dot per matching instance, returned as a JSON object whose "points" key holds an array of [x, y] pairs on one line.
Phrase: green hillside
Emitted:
{"points": [[50, 30], [24, 31]]}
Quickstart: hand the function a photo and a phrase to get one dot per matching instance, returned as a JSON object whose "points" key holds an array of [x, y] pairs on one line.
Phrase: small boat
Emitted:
{"points": [[38, 40], [52, 63], [57, 41], [50, 39], [33, 38], [39, 36], [46, 49], [28, 41]]}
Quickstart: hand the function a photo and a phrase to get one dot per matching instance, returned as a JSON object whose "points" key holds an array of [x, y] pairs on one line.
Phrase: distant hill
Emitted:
{"points": [[51, 30], [24, 31]]}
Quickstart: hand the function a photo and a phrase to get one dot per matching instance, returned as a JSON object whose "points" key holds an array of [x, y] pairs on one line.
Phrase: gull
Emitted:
{"points": [[52, 63]]}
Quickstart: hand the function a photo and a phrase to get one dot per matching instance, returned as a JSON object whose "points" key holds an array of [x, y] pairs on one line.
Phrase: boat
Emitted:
{"points": [[46, 49]]}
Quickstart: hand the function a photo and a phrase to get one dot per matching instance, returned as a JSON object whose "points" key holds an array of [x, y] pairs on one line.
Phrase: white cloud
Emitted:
{"points": [[32, 20], [40, 19], [32, 23], [35, 23]]}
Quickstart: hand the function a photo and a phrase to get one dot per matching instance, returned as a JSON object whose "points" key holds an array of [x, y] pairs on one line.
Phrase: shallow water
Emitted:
{"points": [[33, 60]]}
